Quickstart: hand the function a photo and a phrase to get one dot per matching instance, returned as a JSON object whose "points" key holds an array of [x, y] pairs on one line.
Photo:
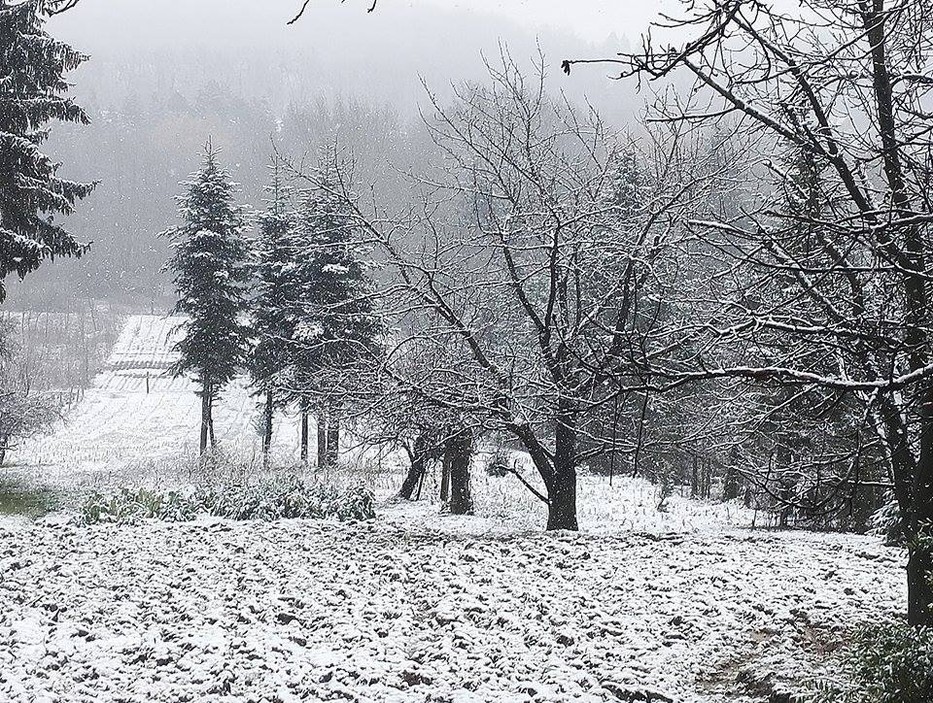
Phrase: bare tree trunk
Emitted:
{"points": [[205, 417], [562, 493], [322, 438], [695, 478], [445, 478], [920, 525], [332, 451], [210, 422], [419, 458], [919, 582], [459, 449], [730, 489], [303, 452], [267, 429], [917, 511], [415, 471]]}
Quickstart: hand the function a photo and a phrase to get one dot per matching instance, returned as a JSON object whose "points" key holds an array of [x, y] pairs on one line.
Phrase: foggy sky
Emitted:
{"points": [[164, 75], [125, 22]]}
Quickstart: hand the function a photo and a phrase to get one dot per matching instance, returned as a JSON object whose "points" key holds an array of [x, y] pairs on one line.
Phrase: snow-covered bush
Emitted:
{"points": [[888, 663], [289, 497], [130, 506], [270, 499]]}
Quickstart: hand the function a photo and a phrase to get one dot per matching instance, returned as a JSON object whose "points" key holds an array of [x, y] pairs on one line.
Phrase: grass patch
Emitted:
{"points": [[25, 500]]}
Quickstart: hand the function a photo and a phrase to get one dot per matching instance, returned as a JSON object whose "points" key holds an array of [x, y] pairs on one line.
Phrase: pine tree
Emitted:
{"points": [[211, 271], [32, 93], [274, 302], [337, 328]]}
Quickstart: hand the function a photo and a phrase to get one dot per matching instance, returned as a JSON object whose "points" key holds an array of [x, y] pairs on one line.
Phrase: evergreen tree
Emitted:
{"points": [[274, 303], [337, 329], [211, 269], [32, 93]]}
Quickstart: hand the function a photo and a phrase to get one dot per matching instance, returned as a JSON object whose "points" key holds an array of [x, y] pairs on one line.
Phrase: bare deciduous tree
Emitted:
{"points": [[529, 274]]}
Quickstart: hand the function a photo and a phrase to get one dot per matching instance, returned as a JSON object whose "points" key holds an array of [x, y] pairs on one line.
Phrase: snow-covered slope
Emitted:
{"points": [[678, 603], [118, 424]]}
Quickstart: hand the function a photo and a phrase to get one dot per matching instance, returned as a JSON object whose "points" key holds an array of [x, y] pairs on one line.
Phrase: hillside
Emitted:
{"points": [[119, 425]]}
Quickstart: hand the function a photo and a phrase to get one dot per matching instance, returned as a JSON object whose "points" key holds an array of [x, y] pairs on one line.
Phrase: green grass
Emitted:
{"points": [[22, 499]]}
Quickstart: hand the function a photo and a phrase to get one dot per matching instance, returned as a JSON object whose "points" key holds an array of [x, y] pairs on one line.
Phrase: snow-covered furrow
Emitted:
{"points": [[307, 611]]}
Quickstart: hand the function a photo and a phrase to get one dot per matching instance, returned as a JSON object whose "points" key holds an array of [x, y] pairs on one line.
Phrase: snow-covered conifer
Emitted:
{"points": [[275, 299], [337, 327], [33, 92], [210, 264]]}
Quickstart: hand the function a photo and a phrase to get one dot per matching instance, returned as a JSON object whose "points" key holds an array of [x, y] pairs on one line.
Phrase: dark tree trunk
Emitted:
{"points": [[267, 429], [419, 463], [332, 451], [920, 584], [730, 489], [205, 417], [321, 439], [210, 422], [914, 480], [445, 478], [695, 479], [562, 491], [304, 434], [415, 472], [920, 525], [459, 452]]}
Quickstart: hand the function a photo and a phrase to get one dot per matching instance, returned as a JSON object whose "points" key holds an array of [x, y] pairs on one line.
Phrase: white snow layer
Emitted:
{"points": [[416, 606], [384, 611]]}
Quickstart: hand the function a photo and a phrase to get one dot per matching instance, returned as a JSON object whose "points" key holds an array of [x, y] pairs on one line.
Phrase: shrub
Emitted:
{"points": [[888, 663], [281, 498], [130, 506], [271, 499]]}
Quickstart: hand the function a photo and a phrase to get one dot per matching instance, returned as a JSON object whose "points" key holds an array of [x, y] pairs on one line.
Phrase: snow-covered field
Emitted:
{"points": [[686, 605], [119, 425], [390, 611]]}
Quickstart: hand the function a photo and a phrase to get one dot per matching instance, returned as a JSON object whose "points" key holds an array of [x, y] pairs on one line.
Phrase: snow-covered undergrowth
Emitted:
{"points": [[630, 504], [272, 499]]}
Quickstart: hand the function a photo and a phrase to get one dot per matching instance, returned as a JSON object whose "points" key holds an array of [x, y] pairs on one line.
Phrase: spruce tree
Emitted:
{"points": [[33, 92], [211, 272], [275, 299], [337, 329]]}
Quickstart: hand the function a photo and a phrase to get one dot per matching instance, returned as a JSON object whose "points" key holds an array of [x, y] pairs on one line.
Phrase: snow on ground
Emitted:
{"points": [[307, 611], [414, 606]]}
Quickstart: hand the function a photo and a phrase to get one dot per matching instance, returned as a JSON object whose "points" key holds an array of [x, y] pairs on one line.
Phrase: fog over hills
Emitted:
{"points": [[176, 73]]}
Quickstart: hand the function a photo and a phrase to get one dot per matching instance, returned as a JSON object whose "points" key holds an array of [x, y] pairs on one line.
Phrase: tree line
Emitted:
{"points": [[292, 305]]}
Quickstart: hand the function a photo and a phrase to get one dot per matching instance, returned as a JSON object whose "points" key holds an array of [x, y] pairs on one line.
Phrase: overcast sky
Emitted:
{"points": [[594, 20], [183, 21]]}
